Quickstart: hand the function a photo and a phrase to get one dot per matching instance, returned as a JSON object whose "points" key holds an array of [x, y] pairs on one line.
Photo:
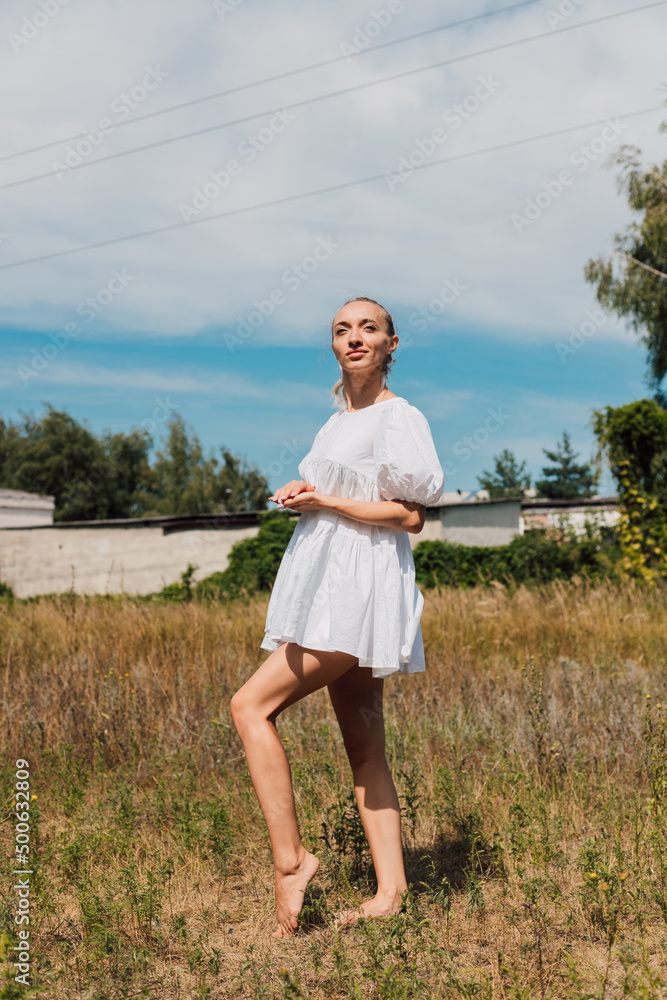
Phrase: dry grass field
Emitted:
{"points": [[530, 760]]}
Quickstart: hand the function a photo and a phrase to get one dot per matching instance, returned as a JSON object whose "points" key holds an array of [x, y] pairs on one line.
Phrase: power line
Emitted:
{"points": [[337, 93], [326, 190], [280, 76]]}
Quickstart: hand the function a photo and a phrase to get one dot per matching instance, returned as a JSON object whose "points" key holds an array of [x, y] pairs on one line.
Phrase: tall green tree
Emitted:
{"points": [[55, 455], [111, 475], [182, 482], [508, 480], [185, 481], [240, 486], [566, 479], [633, 282]]}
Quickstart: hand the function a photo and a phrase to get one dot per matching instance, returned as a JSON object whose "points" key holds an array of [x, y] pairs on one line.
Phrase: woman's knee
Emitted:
{"points": [[240, 707], [245, 710]]}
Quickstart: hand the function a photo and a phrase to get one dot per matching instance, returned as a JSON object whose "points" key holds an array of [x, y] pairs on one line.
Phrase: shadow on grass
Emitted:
{"points": [[454, 859], [453, 864]]}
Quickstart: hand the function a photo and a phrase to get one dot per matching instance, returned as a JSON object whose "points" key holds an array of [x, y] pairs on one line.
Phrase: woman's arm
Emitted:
{"points": [[402, 515]]}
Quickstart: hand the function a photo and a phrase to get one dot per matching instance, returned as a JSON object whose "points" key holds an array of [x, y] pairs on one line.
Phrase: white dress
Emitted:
{"points": [[348, 585]]}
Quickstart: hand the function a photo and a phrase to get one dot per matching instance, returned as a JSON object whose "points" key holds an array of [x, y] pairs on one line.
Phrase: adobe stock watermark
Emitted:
{"points": [[554, 188], [369, 714], [595, 318], [454, 117], [23, 869], [365, 33], [249, 149], [225, 7], [36, 22], [423, 317], [121, 108], [466, 446], [292, 278], [290, 451], [566, 8], [88, 309]]}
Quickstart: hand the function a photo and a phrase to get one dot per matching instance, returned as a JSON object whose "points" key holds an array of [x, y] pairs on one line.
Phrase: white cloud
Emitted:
{"points": [[443, 222], [211, 383]]}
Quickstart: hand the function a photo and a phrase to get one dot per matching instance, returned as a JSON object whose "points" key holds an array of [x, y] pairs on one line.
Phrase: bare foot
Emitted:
{"points": [[378, 906], [290, 888]]}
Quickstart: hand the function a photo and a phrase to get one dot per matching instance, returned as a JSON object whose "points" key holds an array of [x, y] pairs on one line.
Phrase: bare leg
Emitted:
{"points": [[286, 676], [357, 700]]}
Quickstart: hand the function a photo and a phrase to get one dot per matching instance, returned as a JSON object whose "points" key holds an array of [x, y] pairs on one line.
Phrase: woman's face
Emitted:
{"points": [[360, 338]]}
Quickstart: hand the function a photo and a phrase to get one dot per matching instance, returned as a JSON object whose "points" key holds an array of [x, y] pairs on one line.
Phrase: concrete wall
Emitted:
{"points": [[110, 560], [491, 523]]}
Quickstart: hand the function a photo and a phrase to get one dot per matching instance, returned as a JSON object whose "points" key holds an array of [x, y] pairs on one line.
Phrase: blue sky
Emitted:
{"points": [[122, 335]]}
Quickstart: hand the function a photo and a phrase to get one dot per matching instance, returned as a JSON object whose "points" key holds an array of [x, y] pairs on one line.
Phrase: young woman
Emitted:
{"points": [[345, 609]]}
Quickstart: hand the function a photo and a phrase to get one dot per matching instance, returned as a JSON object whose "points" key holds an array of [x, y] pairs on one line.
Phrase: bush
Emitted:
{"points": [[176, 591], [253, 562], [538, 556]]}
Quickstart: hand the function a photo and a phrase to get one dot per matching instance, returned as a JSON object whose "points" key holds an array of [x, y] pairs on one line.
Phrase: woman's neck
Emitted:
{"points": [[361, 396]]}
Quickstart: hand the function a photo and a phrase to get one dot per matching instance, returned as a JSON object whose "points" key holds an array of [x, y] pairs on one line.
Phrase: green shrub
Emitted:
{"points": [[253, 562], [177, 591], [538, 556]]}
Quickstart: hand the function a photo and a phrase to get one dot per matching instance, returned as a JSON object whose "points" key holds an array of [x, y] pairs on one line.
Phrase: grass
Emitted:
{"points": [[530, 759]]}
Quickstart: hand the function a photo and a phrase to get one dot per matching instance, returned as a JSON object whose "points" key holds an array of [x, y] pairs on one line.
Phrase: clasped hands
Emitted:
{"points": [[401, 515], [298, 495]]}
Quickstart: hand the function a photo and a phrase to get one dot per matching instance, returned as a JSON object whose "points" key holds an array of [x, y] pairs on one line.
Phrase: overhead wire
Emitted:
{"points": [[278, 76], [338, 93], [319, 191]]}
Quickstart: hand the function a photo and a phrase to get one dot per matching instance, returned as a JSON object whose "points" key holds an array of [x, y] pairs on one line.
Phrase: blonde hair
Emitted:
{"points": [[338, 389]]}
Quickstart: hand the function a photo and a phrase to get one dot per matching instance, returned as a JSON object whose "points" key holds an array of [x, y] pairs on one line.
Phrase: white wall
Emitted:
{"points": [[135, 560]]}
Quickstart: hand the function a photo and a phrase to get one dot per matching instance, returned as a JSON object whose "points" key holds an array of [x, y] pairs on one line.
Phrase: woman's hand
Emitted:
{"points": [[291, 490], [305, 501]]}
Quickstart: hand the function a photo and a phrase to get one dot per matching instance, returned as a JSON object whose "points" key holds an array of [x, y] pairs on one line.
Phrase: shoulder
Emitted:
{"points": [[400, 412], [334, 416]]}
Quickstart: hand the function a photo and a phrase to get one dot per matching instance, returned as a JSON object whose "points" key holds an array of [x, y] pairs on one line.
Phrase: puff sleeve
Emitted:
{"points": [[406, 462]]}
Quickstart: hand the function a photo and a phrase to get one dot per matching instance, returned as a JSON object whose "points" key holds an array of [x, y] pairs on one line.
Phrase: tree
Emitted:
{"points": [[55, 455], [508, 479], [129, 474], [185, 481], [634, 439], [182, 482], [565, 479], [240, 486], [633, 283], [111, 476], [253, 562]]}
